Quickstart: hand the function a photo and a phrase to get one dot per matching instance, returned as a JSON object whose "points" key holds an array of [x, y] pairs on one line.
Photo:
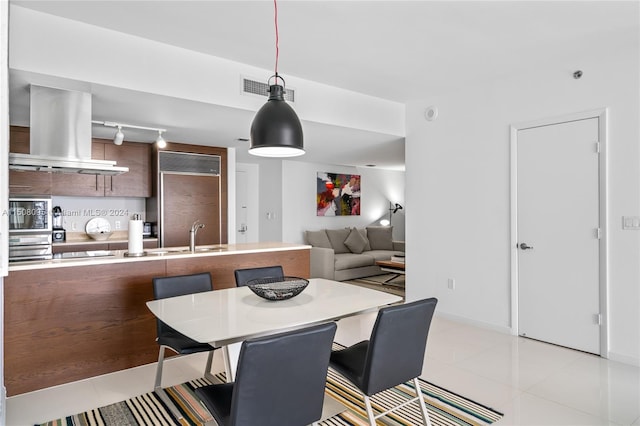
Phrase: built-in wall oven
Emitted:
{"points": [[29, 228]]}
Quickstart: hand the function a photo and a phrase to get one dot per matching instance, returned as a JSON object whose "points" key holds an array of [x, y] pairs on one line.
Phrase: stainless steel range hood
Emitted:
{"points": [[60, 135]]}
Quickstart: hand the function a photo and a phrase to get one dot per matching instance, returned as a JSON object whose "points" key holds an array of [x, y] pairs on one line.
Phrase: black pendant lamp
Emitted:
{"points": [[276, 130]]}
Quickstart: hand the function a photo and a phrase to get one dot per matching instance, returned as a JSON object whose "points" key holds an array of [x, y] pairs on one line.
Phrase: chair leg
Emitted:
{"points": [[423, 405], [160, 392], [158, 383], [370, 415], [167, 401]]}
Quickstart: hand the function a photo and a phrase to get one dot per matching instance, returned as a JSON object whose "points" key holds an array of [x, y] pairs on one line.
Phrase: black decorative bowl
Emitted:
{"points": [[277, 288]]}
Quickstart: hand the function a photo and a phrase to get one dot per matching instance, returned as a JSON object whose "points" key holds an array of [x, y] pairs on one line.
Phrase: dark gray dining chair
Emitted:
{"points": [[393, 355], [243, 276], [168, 338], [280, 380]]}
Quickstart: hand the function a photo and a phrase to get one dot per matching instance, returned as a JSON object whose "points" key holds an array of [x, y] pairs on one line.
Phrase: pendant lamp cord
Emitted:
{"points": [[275, 7]]}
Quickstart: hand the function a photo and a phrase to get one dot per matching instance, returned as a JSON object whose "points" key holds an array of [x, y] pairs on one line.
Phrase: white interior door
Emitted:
{"points": [[558, 233]]}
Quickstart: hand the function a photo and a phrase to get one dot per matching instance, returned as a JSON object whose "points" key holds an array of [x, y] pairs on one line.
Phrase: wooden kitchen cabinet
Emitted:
{"points": [[135, 183], [79, 184], [23, 182], [29, 183]]}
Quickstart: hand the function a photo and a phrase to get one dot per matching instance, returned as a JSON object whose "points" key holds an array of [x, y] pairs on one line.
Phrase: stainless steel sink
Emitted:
{"points": [[168, 251], [208, 249], [184, 250]]}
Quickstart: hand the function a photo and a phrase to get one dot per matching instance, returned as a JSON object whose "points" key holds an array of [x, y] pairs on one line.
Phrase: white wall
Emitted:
{"points": [[458, 178], [299, 199]]}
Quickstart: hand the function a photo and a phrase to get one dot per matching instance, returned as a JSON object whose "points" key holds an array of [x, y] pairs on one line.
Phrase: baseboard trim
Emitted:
{"points": [[624, 359], [621, 358], [468, 321]]}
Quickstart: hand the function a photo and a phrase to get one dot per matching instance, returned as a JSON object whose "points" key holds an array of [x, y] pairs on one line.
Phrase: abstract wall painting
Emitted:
{"points": [[337, 194]]}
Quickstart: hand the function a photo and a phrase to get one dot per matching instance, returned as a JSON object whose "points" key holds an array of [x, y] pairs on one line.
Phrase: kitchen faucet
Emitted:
{"points": [[192, 234]]}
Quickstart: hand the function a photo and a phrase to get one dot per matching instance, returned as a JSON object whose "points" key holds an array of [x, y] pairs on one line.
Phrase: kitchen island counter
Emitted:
{"points": [[70, 319]]}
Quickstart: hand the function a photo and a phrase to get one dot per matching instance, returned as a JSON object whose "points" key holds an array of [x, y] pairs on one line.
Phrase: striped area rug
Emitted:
{"points": [[445, 408]]}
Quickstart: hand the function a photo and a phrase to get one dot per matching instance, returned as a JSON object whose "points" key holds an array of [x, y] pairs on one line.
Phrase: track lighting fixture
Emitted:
{"points": [[119, 136]]}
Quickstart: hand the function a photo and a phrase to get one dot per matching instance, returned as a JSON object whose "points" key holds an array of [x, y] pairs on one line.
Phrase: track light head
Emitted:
{"points": [[160, 142], [119, 137]]}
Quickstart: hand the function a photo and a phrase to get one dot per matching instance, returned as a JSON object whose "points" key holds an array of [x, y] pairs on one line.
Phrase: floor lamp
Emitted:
{"points": [[392, 210]]}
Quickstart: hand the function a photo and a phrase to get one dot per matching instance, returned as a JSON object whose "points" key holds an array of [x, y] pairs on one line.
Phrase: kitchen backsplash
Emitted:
{"points": [[77, 211]]}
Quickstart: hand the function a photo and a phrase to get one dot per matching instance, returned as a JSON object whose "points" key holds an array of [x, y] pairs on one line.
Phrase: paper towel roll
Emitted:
{"points": [[135, 237]]}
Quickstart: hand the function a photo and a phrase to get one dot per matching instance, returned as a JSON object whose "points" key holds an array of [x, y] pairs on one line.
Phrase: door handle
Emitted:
{"points": [[524, 246]]}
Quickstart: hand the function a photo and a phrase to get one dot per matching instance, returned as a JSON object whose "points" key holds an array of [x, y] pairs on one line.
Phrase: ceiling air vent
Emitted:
{"points": [[259, 88]]}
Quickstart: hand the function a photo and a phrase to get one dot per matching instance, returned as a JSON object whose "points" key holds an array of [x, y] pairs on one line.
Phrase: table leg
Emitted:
{"points": [[396, 273], [330, 408], [391, 279], [230, 354]]}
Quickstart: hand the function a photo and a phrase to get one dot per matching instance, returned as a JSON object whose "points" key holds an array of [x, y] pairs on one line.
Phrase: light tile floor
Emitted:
{"points": [[532, 383]]}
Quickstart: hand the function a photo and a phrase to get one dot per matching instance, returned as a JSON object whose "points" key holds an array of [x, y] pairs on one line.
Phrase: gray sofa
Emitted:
{"points": [[349, 253]]}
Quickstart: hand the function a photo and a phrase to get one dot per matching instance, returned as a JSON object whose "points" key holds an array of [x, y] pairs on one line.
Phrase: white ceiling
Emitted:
{"points": [[395, 50]]}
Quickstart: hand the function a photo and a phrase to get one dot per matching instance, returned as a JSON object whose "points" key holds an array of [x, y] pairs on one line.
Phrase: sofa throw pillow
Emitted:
{"points": [[355, 241], [337, 237], [318, 239], [380, 237], [363, 232]]}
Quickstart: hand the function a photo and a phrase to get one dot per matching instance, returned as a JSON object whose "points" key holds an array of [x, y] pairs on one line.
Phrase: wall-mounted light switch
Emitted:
{"points": [[631, 222], [451, 284]]}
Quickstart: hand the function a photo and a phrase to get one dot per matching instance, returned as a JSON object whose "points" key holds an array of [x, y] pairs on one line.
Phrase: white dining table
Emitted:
{"points": [[223, 317]]}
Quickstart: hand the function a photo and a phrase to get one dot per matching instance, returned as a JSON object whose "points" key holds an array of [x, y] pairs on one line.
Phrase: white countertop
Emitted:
{"points": [[222, 317], [158, 254]]}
